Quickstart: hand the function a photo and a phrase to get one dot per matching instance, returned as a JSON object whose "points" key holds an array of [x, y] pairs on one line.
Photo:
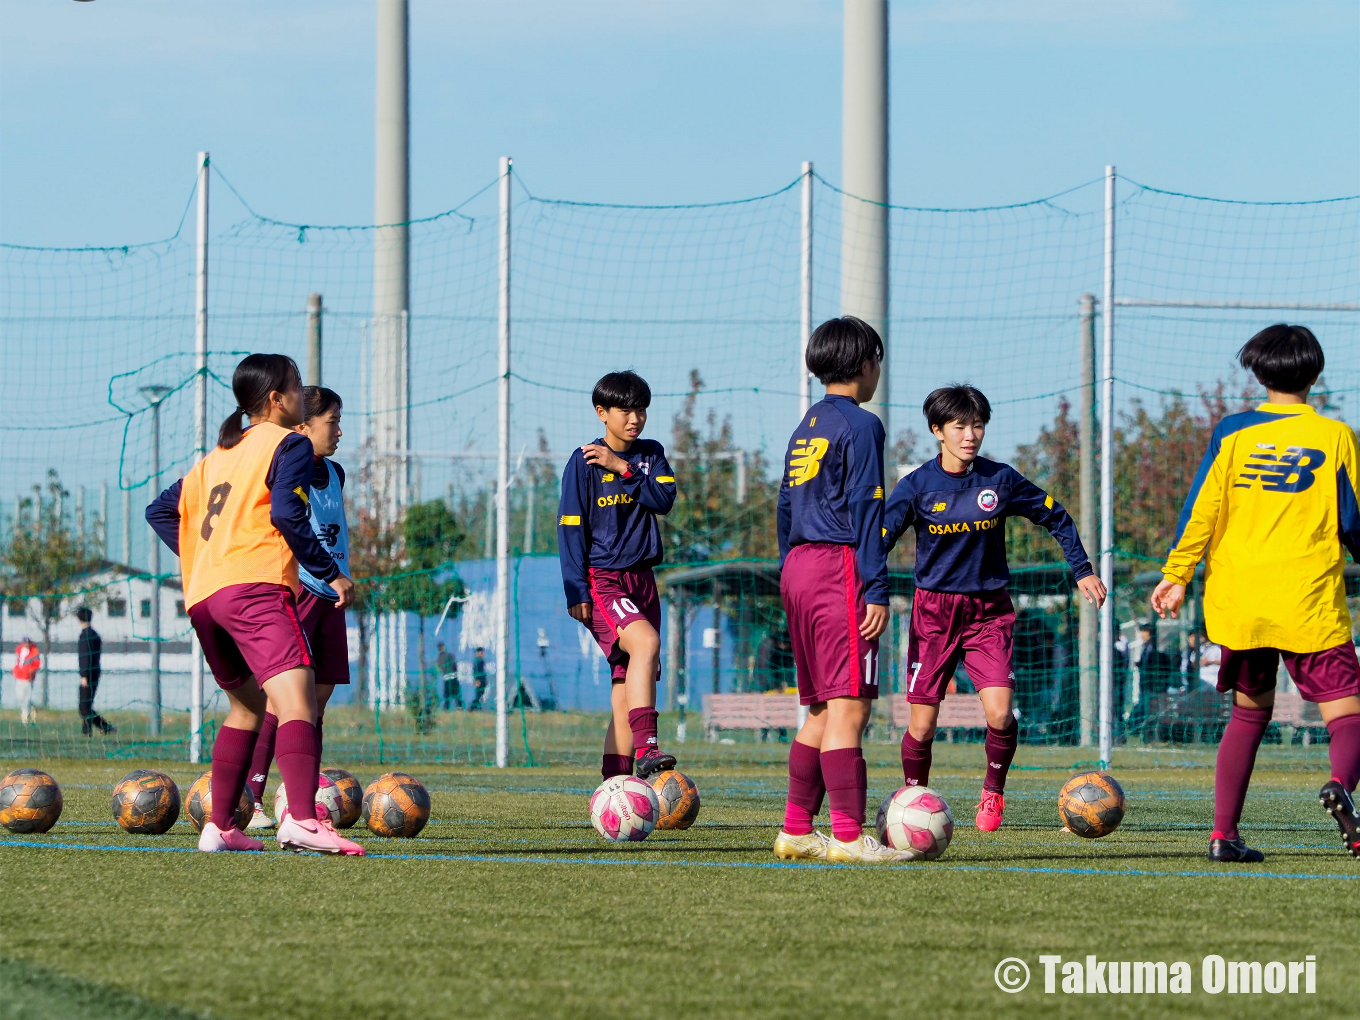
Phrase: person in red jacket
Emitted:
{"points": [[27, 662]]}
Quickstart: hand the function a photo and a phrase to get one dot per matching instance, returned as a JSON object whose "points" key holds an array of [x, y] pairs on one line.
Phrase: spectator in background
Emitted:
{"points": [[774, 662], [478, 678], [1208, 657], [447, 670], [1155, 668], [27, 662], [89, 647]]}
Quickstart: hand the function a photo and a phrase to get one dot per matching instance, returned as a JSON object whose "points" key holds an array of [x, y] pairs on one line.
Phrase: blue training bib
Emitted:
{"points": [[328, 521]]}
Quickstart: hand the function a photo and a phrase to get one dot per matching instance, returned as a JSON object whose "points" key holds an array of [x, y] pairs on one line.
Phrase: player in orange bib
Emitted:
{"points": [[239, 523]]}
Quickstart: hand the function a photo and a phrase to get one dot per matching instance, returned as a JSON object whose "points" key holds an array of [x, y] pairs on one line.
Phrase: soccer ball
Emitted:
{"points": [[30, 801], [396, 804], [916, 819], [679, 800], [352, 796], [328, 797], [624, 809], [200, 804], [1091, 804], [146, 802]]}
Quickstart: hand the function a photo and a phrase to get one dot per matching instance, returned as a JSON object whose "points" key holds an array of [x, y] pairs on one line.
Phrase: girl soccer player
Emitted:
{"points": [[239, 523], [958, 503], [612, 492], [319, 612]]}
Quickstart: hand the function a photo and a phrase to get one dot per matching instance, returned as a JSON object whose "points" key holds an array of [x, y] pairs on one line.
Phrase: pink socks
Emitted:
{"points": [[847, 784], [806, 789], [1344, 750], [616, 765], [642, 721]]}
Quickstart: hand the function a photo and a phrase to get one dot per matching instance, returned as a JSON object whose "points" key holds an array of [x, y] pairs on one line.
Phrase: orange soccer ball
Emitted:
{"points": [[679, 799], [396, 804], [1091, 804], [200, 804], [30, 801]]}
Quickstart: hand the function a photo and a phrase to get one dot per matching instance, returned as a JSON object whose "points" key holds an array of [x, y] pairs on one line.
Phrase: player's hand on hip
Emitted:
{"points": [[599, 455], [1167, 598], [875, 621], [1094, 590], [344, 587], [580, 612]]}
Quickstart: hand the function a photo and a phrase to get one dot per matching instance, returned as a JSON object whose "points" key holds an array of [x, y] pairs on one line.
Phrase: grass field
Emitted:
{"points": [[509, 905]]}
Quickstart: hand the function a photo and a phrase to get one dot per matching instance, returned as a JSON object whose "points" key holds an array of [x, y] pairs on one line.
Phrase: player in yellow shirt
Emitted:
{"points": [[1270, 511]]}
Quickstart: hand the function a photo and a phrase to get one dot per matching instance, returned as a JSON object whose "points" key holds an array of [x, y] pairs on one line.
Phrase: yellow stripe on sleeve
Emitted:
{"points": [[1048, 502], [663, 479], [878, 492], [305, 500], [569, 519]]}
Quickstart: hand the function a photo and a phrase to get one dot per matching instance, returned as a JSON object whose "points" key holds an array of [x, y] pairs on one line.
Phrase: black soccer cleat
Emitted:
{"points": [[652, 761], [1233, 851], [1336, 799]]}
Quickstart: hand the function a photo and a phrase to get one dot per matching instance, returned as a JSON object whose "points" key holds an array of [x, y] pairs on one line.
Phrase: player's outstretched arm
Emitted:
{"points": [[573, 536], [900, 512], [163, 516]]}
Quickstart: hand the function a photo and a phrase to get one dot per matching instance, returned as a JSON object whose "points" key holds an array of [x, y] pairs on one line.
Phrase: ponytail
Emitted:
{"points": [[255, 378]]}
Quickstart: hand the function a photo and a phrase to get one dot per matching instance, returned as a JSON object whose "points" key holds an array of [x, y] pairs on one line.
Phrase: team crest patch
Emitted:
{"points": [[987, 500]]}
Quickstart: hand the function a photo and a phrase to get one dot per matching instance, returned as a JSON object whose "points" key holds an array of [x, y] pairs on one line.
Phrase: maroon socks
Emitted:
{"points": [[616, 765], [847, 784], [1000, 747], [916, 759], [806, 789], [263, 757], [230, 761], [297, 760], [1344, 750], [1236, 758], [642, 721]]}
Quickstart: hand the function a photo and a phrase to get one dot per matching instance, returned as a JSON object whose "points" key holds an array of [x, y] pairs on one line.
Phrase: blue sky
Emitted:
{"points": [[103, 104]]}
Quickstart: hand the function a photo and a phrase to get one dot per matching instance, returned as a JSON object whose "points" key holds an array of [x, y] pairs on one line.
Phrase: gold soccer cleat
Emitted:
{"points": [[811, 847], [865, 850]]}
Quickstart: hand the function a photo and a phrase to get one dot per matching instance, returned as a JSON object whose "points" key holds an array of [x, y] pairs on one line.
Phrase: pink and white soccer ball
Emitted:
{"points": [[916, 819], [328, 796], [624, 809]]}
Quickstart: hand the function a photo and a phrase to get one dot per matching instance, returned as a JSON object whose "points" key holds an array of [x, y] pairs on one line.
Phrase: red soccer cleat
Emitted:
{"points": [[989, 812]]}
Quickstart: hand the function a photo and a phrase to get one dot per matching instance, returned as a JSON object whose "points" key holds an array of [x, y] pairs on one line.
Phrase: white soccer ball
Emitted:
{"points": [[624, 809], [916, 819], [328, 796]]}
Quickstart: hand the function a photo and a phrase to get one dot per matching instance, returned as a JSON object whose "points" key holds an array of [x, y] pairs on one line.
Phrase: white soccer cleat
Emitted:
{"points": [[811, 847], [214, 840], [865, 850], [260, 820], [315, 835]]}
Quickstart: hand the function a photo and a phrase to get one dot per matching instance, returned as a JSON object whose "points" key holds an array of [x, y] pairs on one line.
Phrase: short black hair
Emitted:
{"points": [[84, 615], [622, 389], [1285, 358], [838, 349], [317, 400], [957, 402]]}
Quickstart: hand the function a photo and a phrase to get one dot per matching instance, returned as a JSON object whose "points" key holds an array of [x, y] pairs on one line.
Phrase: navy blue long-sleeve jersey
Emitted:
{"points": [[960, 523], [290, 486], [832, 489], [608, 520]]}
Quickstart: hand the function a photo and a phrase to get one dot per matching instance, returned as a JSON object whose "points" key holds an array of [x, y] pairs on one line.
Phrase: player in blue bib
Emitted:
{"points": [[321, 619]]}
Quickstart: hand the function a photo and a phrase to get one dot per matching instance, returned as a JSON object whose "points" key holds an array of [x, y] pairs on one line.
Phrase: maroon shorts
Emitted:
{"points": [[1319, 676], [824, 605], [947, 627], [621, 597], [324, 626], [250, 631]]}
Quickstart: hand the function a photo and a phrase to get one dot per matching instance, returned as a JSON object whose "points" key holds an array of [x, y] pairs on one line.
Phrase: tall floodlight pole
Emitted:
{"points": [[200, 445], [1107, 483], [1089, 515], [155, 395], [391, 265], [805, 296], [864, 167], [313, 339], [503, 474]]}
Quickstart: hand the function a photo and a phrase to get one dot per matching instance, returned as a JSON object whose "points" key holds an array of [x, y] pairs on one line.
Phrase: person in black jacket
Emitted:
{"points": [[89, 647]]}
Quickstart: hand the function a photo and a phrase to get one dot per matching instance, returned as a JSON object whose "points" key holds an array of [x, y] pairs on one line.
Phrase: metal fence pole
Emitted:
{"points": [[200, 440], [503, 475], [1107, 484], [805, 296], [1088, 645]]}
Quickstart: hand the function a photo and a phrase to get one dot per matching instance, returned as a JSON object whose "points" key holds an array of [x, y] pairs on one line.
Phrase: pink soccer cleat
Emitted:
{"points": [[213, 840], [315, 835], [989, 812]]}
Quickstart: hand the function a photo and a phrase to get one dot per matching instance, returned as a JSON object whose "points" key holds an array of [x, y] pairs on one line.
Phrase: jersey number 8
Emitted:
{"points": [[217, 499]]}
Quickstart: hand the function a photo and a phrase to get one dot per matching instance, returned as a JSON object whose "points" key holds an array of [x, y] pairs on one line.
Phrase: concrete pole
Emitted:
{"points": [[864, 169], [391, 266], [503, 475], [313, 339], [1107, 483], [673, 647], [1088, 518], [805, 297], [200, 444], [127, 528], [104, 519]]}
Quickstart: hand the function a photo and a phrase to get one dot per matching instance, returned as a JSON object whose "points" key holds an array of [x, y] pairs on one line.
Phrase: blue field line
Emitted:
{"points": [[777, 865]]}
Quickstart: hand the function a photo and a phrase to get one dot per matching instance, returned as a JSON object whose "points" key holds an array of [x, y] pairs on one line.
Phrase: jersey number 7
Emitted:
{"points": [[217, 499]]}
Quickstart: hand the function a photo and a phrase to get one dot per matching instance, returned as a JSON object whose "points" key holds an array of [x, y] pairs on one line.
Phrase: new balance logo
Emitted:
{"points": [[1291, 471], [806, 460], [938, 508]]}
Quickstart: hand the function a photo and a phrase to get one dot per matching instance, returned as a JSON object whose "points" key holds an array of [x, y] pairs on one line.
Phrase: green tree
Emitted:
{"points": [[44, 557]]}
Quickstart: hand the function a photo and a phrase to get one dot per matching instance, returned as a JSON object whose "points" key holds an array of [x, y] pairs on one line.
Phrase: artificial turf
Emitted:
{"points": [[509, 905]]}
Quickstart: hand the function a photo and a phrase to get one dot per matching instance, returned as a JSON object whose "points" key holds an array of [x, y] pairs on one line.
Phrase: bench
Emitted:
{"points": [[762, 712], [1295, 716], [958, 712]]}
